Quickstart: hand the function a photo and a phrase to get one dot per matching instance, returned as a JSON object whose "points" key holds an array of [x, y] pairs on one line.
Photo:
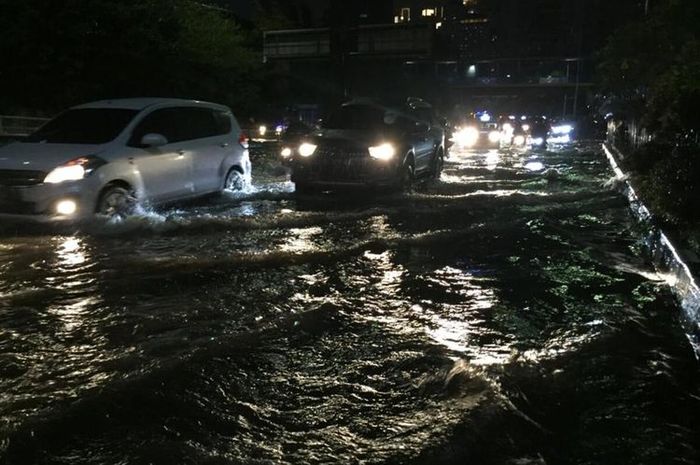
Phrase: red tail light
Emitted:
{"points": [[243, 140]]}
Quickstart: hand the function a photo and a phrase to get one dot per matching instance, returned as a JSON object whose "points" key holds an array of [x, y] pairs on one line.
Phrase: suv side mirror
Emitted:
{"points": [[153, 140]]}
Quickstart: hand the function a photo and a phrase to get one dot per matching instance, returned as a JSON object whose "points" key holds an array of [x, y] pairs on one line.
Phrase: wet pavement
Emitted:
{"points": [[503, 314]]}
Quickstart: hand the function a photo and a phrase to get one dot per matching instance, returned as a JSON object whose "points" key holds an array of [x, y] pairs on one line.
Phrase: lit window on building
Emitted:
{"points": [[428, 12], [438, 25], [405, 15]]}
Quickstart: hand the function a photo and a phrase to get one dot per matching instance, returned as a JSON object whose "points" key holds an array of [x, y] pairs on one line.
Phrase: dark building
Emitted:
{"points": [[530, 56]]}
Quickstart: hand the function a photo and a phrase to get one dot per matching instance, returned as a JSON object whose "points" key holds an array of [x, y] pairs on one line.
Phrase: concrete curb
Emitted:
{"points": [[665, 257]]}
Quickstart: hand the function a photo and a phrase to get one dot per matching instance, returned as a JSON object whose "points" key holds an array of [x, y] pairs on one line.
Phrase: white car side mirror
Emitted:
{"points": [[153, 140]]}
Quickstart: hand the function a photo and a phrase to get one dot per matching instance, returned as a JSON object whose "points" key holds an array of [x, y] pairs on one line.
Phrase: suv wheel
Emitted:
{"points": [[406, 176], [116, 201], [436, 164], [302, 188]]}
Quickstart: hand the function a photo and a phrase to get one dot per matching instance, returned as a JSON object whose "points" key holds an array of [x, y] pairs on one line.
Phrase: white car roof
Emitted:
{"points": [[142, 103]]}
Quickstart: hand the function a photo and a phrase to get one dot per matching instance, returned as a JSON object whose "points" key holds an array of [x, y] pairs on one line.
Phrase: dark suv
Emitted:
{"points": [[366, 144]]}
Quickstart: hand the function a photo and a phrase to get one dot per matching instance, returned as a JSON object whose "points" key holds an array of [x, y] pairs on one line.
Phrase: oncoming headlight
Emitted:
{"points": [[74, 170], [286, 152], [382, 152], [467, 137], [494, 136], [306, 149], [519, 140], [562, 129]]}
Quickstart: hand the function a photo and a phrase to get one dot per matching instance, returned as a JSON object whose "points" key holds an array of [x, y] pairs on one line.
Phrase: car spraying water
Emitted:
{"points": [[501, 314]]}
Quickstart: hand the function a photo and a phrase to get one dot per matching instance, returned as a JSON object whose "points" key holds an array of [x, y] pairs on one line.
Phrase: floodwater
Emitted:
{"points": [[501, 315]]}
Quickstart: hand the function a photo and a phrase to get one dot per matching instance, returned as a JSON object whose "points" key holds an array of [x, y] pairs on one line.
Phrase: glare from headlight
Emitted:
{"points": [[563, 129], [508, 127], [467, 137], [526, 127], [65, 173], [537, 141], [66, 207], [306, 149], [382, 152], [494, 136], [286, 152], [565, 139], [519, 140]]}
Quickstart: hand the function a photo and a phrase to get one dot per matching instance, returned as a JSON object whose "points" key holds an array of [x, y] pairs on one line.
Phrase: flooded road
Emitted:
{"points": [[503, 314]]}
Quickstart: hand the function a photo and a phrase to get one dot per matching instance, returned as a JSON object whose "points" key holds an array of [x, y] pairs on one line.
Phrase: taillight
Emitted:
{"points": [[243, 140]]}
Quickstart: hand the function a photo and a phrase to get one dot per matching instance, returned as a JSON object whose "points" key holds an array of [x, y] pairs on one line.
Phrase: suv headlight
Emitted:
{"points": [[382, 152], [74, 170], [306, 149]]}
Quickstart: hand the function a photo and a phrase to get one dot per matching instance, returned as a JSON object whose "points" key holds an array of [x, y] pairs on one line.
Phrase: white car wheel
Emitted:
{"points": [[235, 181], [116, 201]]}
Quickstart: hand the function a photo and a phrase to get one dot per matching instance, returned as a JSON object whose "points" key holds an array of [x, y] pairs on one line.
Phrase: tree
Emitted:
{"points": [[55, 54], [652, 67]]}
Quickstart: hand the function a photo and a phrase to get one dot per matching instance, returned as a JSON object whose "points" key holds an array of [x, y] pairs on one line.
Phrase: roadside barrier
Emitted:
{"points": [[664, 255]]}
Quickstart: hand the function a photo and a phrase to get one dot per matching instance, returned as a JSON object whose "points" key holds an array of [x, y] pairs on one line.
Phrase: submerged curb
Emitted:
{"points": [[664, 255]]}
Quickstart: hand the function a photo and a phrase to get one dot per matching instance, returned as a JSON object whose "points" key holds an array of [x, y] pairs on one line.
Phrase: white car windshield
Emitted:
{"points": [[84, 126]]}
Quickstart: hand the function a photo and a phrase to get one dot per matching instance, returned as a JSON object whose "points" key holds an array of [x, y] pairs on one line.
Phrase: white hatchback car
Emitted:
{"points": [[104, 157]]}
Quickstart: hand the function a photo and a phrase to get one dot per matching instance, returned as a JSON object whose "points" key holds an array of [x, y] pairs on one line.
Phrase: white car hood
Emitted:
{"points": [[41, 156]]}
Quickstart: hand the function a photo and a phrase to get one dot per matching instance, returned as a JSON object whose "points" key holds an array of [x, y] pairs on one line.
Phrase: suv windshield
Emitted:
{"points": [[84, 126], [357, 117]]}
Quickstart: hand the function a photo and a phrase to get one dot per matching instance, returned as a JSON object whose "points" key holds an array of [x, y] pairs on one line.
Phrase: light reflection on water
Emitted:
{"points": [[417, 327], [301, 240], [70, 252]]}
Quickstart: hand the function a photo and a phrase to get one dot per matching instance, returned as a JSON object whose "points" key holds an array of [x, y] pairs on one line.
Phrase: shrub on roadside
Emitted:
{"points": [[671, 186], [643, 159]]}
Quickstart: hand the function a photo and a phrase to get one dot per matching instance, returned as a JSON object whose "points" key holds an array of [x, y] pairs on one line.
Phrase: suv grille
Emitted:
{"points": [[18, 178], [340, 164]]}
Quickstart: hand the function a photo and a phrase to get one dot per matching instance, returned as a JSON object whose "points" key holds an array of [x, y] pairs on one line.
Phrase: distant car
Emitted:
{"points": [[106, 156], [540, 130], [366, 144], [479, 131]]}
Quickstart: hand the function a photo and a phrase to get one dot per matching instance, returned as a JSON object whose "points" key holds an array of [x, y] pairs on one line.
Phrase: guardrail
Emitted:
{"points": [[664, 255], [19, 125]]}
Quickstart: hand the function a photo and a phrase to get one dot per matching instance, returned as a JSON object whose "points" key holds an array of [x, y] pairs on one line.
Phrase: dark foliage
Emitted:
{"points": [[671, 185], [55, 54]]}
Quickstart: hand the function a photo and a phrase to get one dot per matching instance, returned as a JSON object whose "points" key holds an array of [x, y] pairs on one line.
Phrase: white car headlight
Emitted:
{"points": [[306, 149], [286, 152], [467, 137], [65, 173], [382, 152], [74, 170]]}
